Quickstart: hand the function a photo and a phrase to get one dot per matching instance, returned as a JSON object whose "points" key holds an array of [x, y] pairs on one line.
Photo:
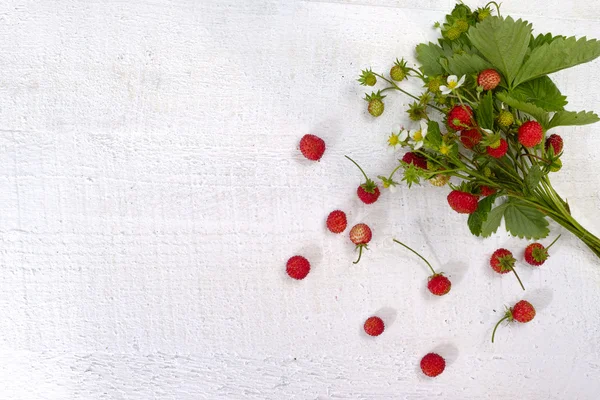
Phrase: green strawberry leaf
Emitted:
{"points": [[542, 92], [493, 220], [503, 42], [541, 39], [557, 55], [466, 64], [434, 136], [477, 219], [429, 55], [485, 112], [536, 112], [532, 179], [567, 118], [524, 221]]}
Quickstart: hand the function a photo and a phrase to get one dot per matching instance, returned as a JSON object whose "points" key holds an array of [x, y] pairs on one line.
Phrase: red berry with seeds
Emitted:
{"points": [[360, 235], [336, 221], [433, 364], [374, 326], [298, 267], [462, 202], [499, 151], [367, 192], [522, 312], [531, 134], [312, 147], [415, 159], [536, 254], [489, 79], [437, 284], [556, 142], [470, 138], [502, 261], [459, 117], [487, 191]]}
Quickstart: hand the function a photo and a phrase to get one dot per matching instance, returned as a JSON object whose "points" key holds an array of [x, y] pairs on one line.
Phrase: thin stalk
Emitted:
{"points": [[496, 327], [420, 256], [519, 279], [359, 254], [361, 170]]}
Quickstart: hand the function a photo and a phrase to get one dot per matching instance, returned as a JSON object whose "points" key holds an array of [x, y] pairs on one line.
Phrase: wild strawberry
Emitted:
{"points": [[499, 151], [536, 254], [439, 180], [376, 105], [470, 138], [462, 202], [360, 235], [531, 134], [433, 364], [486, 190], [522, 312], [505, 118], [459, 117], [336, 221], [297, 267], [556, 142], [489, 79], [374, 326], [367, 78], [399, 71], [367, 192], [502, 261], [312, 147], [462, 25], [453, 33], [415, 159], [437, 283]]}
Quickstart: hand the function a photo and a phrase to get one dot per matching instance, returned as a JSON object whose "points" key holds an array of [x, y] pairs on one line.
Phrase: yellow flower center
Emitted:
{"points": [[452, 84], [394, 140], [444, 149], [418, 136]]}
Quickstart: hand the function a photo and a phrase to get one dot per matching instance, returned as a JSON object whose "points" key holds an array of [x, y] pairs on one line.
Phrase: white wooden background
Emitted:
{"points": [[151, 192]]}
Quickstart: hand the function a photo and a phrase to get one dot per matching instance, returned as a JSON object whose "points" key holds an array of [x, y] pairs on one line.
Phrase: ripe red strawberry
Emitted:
{"points": [[470, 138], [336, 221], [460, 117], [415, 159], [522, 312], [297, 267], [556, 142], [433, 364], [536, 254], [499, 151], [489, 79], [531, 134], [462, 202], [487, 191], [502, 261], [312, 147], [374, 326], [367, 192], [437, 284], [360, 235]]}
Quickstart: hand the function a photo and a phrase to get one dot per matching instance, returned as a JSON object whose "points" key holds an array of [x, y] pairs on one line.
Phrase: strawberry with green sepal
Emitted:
{"points": [[360, 235], [376, 105], [522, 312], [488, 79], [367, 192], [367, 78], [437, 283], [459, 117], [502, 261], [497, 149], [536, 254], [556, 142], [531, 134], [399, 71], [462, 199]]}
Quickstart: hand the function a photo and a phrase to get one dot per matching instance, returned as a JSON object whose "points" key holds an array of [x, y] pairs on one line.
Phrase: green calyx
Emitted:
{"points": [[506, 262], [540, 254], [417, 111], [367, 78], [369, 186]]}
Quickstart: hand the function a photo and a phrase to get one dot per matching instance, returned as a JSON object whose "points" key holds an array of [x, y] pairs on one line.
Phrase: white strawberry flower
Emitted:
{"points": [[397, 137], [418, 135], [453, 83]]}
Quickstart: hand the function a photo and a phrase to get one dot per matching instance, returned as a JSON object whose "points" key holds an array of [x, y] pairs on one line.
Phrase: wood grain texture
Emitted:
{"points": [[151, 191]]}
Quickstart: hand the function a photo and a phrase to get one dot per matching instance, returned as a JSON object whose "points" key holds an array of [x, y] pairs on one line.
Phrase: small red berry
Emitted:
{"points": [[415, 159], [502, 261], [523, 311], [531, 134], [439, 285], [336, 221], [368, 197], [312, 147], [556, 142], [499, 151], [489, 79], [360, 235], [459, 117], [470, 138], [298, 267], [536, 254], [487, 191], [374, 326], [462, 202], [433, 364]]}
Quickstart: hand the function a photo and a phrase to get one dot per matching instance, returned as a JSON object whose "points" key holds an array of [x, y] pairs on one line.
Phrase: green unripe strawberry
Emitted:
{"points": [[453, 33], [376, 107], [556, 165], [483, 13], [367, 78], [462, 25], [397, 73], [505, 118], [433, 85]]}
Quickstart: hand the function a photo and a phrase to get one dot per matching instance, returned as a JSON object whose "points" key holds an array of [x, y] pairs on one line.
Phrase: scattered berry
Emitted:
{"points": [[312, 147], [522, 312], [459, 117], [360, 235], [470, 138], [536, 254], [462, 202], [297, 267], [437, 284], [531, 134], [505, 118], [367, 192], [374, 326], [502, 261], [433, 364], [336, 221], [489, 79], [487, 191], [556, 142], [498, 151], [415, 159]]}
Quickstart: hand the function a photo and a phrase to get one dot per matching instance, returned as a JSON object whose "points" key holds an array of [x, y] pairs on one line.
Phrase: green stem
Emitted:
{"points": [[554, 241], [496, 327], [359, 254], [496, 4], [519, 279], [405, 92], [361, 170], [422, 258]]}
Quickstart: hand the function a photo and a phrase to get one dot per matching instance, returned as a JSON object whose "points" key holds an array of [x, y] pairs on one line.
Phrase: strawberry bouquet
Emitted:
{"points": [[487, 118]]}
